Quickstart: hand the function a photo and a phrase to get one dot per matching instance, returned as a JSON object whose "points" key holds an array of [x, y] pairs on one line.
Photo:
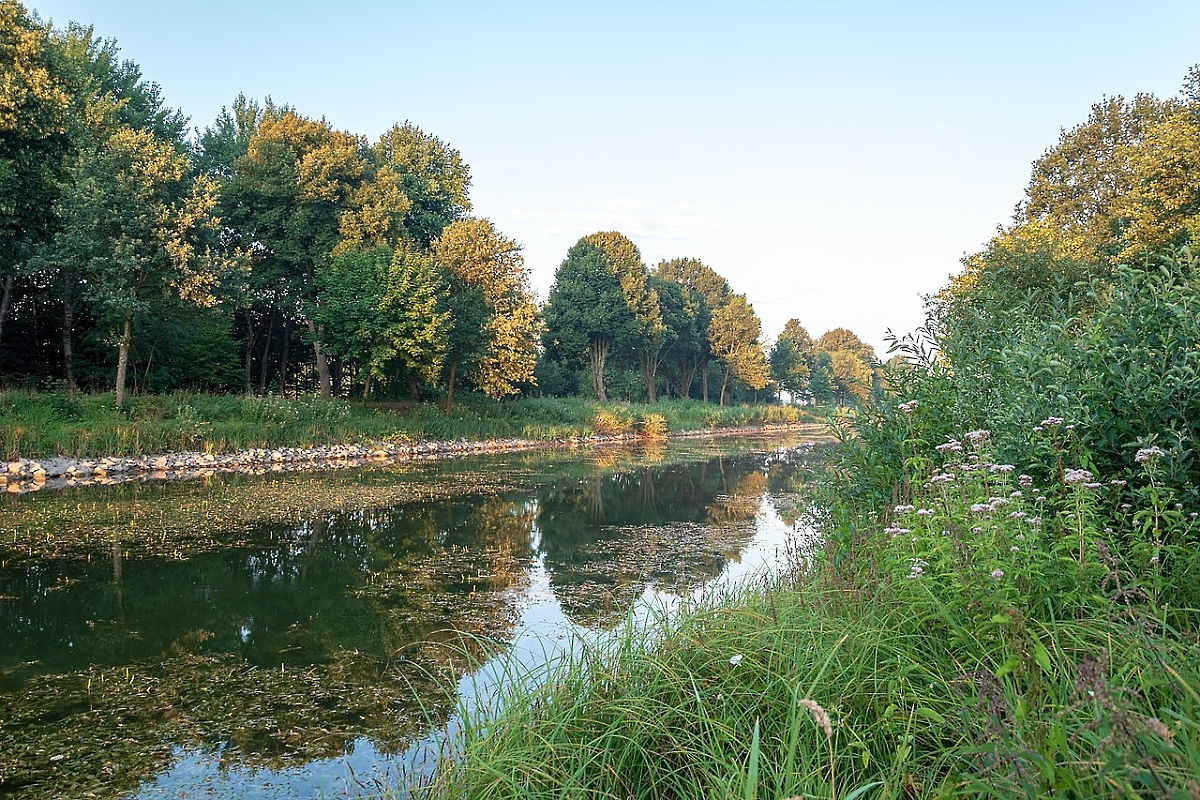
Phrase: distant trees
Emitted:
{"points": [[273, 251]]}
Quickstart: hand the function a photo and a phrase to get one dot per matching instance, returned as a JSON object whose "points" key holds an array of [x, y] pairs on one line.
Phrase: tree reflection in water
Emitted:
{"points": [[307, 638]]}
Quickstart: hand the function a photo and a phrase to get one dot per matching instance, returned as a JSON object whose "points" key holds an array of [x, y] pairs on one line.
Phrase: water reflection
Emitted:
{"points": [[318, 645]]}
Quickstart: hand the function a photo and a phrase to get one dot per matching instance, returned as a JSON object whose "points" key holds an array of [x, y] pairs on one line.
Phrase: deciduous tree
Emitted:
{"points": [[734, 338], [139, 230], [586, 313]]}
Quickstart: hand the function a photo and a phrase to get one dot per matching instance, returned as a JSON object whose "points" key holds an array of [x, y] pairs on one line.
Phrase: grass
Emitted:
{"points": [[39, 425], [667, 714], [947, 648]]}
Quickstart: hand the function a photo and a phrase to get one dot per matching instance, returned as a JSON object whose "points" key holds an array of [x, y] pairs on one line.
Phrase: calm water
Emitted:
{"points": [[326, 652]]}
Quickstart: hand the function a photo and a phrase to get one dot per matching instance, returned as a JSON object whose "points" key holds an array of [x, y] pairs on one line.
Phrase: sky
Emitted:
{"points": [[833, 160]]}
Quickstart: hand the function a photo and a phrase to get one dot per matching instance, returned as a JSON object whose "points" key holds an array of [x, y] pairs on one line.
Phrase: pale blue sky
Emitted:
{"points": [[834, 160]]}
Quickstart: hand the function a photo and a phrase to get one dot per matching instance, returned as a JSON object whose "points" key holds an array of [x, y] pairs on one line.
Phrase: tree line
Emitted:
{"points": [[272, 252]]}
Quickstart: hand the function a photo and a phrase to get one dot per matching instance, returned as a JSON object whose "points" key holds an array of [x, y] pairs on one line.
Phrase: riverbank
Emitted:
{"points": [[50, 440], [28, 475], [978, 639]]}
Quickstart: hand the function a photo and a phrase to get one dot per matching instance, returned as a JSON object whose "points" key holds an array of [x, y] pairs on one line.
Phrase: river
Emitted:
{"points": [[317, 634]]}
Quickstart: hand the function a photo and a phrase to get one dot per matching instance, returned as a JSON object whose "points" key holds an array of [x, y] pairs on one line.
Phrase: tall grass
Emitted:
{"points": [[962, 644], [36, 425]]}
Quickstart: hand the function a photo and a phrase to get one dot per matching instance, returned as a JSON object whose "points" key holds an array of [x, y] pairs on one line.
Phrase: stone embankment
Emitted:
{"points": [[26, 475]]}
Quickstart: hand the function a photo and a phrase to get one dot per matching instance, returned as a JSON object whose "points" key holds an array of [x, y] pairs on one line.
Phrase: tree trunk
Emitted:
{"points": [[367, 386], [597, 355], [5, 303], [704, 383], [649, 365], [250, 337], [414, 388], [68, 327], [283, 358], [450, 385], [322, 361], [123, 357], [686, 376], [724, 383], [265, 359]]}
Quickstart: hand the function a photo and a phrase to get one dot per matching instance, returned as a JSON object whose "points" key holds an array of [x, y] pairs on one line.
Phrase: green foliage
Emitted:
{"points": [[586, 314], [969, 649]]}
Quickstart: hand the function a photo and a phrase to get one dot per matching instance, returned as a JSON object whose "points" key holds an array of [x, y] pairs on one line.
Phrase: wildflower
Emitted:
{"points": [[1003, 468], [1017, 515], [1016, 495], [1154, 559], [917, 569], [1020, 537], [1070, 427], [981, 508], [1117, 482], [736, 660], [976, 529], [952, 446], [1193, 515], [895, 531], [1148, 454], [1092, 485], [1076, 476], [1034, 521], [943, 477], [908, 407], [1179, 506], [975, 437], [924, 512], [1014, 549], [997, 502], [997, 574], [1038, 429], [1125, 506], [1048, 421], [903, 509], [1025, 480]]}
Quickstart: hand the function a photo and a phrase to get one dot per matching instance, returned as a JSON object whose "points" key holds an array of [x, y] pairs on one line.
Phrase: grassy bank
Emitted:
{"points": [[982, 638], [39, 425]]}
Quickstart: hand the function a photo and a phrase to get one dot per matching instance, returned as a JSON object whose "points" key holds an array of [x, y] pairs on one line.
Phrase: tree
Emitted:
{"points": [[35, 111], [415, 321], [790, 358], [586, 313], [430, 175], [286, 198], [820, 382], [140, 230], [1164, 204], [703, 290], [851, 364], [648, 334], [493, 317], [733, 336], [789, 368], [1083, 185]]}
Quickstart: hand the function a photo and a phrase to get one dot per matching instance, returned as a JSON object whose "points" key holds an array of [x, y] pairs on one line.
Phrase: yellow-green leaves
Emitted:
{"points": [[474, 254]]}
